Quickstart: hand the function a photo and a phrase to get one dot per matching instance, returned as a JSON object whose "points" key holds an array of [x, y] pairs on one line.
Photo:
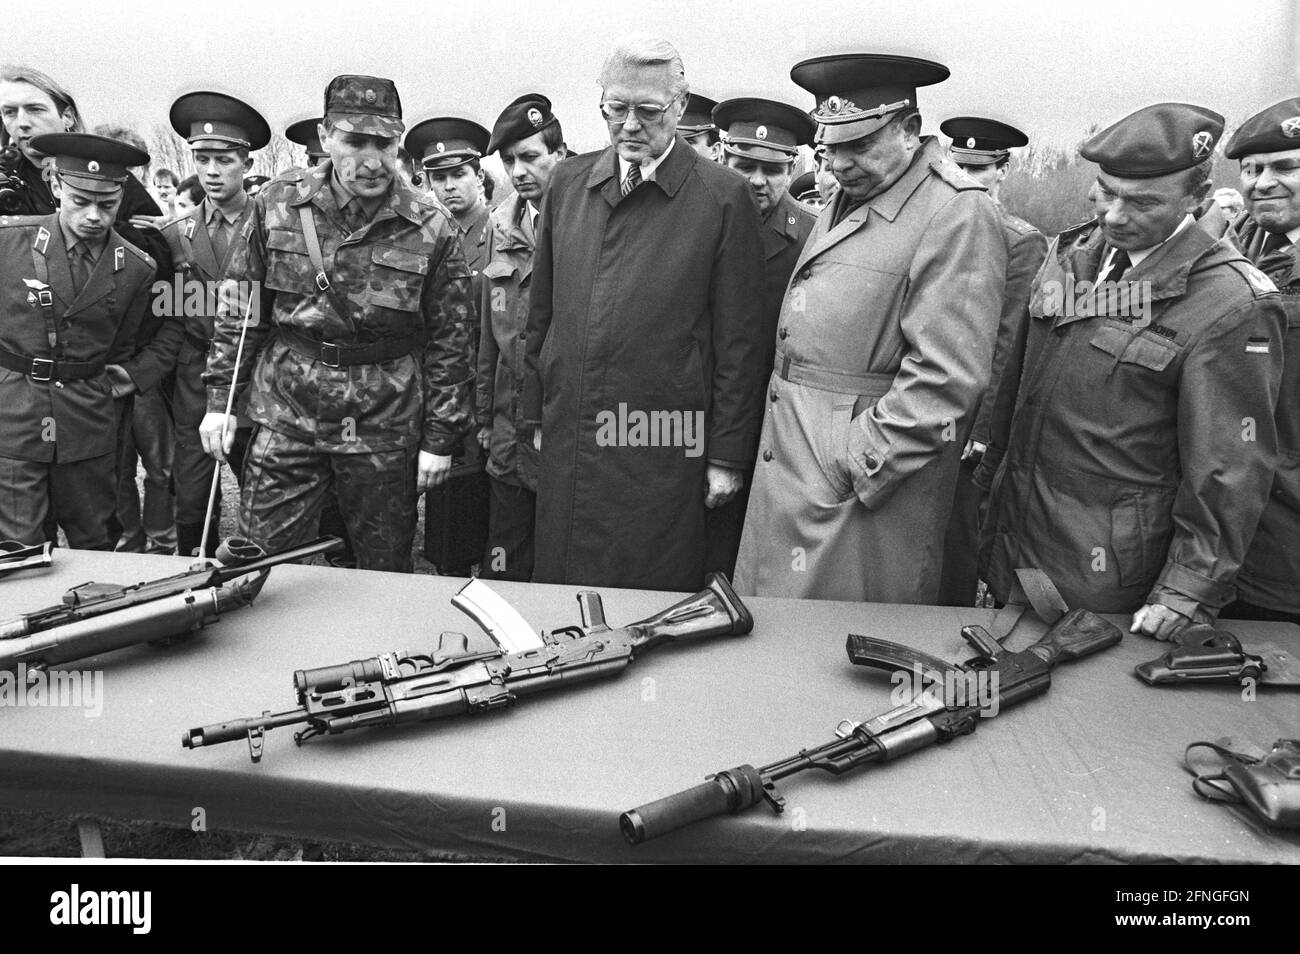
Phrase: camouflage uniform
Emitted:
{"points": [[404, 278]]}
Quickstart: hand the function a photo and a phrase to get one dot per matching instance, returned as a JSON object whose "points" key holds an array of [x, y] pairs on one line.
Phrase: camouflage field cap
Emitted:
{"points": [[303, 132], [90, 163], [364, 104], [977, 141]]}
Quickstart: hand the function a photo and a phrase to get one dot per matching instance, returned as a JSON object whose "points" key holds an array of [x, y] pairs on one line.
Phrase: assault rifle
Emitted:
{"points": [[401, 687], [928, 718], [15, 556], [97, 617]]}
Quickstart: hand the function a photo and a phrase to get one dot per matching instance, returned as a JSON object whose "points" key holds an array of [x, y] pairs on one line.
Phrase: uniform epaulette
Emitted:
{"points": [[18, 221], [951, 173], [139, 253], [1017, 224], [1260, 284]]}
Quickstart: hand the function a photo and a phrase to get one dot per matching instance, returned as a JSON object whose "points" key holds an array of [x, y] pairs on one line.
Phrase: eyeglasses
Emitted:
{"points": [[647, 114]]}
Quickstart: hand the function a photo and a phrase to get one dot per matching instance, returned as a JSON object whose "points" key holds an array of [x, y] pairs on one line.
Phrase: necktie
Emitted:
{"points": [[220, 238], [1273, 242], [1119, 264], [82, 265], [633, 179]]}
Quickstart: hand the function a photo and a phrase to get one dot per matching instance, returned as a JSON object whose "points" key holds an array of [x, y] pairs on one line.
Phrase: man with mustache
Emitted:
{"points": [[72, 300], [1268, 148], [357, 368], [647, 283]]}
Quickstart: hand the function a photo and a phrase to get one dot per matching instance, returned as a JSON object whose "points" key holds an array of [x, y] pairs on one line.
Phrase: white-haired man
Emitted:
{"points": [[642, 374]]}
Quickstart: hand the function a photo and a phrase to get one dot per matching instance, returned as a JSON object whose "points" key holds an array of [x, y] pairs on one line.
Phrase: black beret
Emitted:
{"points": [[1155, 141], [1276, 129], [526, 116]]}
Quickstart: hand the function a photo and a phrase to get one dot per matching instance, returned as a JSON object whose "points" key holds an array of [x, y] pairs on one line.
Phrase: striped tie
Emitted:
{"points": [[633, 179]]}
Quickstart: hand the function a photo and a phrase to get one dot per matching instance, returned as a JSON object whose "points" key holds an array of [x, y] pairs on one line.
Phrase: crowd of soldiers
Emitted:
{"points": [[667, 363]]}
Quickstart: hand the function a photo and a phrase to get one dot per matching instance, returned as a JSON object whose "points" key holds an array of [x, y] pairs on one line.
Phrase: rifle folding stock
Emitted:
{"points": [[98, 617], [401, 687], [931, 716], [15, 556]]}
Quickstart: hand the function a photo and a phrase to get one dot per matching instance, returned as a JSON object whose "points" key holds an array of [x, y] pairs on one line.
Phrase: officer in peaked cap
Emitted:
{"points": [[359, 376], [760, 141], [73, 298], [982, 147], [698, 128], [1268, 148], [449, 149], [222, 131], [530, 141], [804, 189], [1125, 475], [304, 133], [859, 93], [883, 347]]}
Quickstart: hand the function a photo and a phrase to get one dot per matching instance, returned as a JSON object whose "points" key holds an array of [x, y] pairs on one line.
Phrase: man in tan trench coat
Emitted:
{"points": [[884, 347]]}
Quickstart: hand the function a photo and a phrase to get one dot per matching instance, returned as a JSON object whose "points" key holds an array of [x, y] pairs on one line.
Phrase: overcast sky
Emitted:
{"points": [[1051, 69]]}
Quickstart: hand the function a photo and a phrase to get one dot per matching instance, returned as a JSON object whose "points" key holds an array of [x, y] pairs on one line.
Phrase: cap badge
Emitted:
{"points": [[1291, 127], [370, 96], [207, 127], [1202, 144], [761, 132], [92, 166], [970, 142], [441, 147], [535, 117]]}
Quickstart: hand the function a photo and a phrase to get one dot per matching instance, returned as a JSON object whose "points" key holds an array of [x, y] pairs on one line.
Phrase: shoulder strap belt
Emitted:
{"points": [[318, 262]]}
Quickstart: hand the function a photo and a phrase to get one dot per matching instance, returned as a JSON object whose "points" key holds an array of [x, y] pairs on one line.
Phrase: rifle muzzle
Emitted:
{"points": [[731, 792]]}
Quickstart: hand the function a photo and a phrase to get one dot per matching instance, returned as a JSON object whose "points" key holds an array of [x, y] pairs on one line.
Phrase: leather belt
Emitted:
{"points": [[50, 369], [335, 355]]}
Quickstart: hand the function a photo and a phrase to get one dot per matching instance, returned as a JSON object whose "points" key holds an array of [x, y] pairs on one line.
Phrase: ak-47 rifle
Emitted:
{"points": [[97, 617], [397, 688], [15, 556], [928, 718]]}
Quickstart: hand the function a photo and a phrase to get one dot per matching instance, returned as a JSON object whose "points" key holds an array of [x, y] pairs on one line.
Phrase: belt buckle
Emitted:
{"points": [[322, 281], [328, 348], [49, 373]]}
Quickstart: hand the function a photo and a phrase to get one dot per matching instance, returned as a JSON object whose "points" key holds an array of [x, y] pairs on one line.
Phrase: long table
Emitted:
{"points": [[1090, 772]]}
